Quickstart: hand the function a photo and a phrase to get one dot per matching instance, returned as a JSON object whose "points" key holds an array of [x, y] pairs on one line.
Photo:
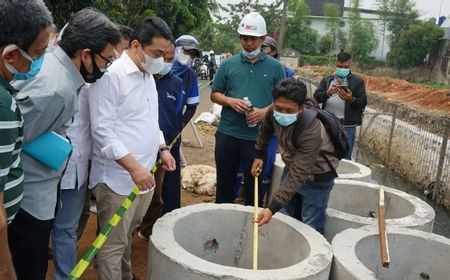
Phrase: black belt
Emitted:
{"points": [[324, 177]]}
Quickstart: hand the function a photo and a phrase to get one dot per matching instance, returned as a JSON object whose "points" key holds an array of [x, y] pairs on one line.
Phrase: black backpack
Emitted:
{"points": [[331, 124]]}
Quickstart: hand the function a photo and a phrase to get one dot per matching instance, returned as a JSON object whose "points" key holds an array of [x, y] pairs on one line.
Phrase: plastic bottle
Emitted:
{"points": [[250, 108]]}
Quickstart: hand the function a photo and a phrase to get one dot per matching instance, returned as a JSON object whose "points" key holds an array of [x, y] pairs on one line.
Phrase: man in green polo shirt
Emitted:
{"points": [[23, 41], [251, 75]]}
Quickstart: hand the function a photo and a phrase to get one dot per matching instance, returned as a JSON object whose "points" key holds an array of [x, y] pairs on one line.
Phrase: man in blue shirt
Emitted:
{"points": [[186, 49], [170, 98]]}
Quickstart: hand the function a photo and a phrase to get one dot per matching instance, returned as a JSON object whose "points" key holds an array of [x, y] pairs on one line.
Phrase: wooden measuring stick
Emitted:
{"points": [[384, 247], [255, 224]]}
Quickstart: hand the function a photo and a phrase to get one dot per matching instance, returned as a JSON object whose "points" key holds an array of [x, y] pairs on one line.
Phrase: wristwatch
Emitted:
{"points": [[165, 148]]}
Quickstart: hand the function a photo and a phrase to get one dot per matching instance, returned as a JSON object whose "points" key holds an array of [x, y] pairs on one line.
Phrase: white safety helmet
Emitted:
{"points": [[253, 24], [211, 52]]}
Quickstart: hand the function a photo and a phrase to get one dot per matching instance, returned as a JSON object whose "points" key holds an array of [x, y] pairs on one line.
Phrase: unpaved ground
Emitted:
{"points": [[437, 101], [193, 155]]}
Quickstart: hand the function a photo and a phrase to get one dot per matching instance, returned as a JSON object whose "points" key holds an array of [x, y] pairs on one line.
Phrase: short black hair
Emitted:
{"points": [[21, 22], [291, 89], [149, 28], [89, 29], [125, 31], [343, 56]]}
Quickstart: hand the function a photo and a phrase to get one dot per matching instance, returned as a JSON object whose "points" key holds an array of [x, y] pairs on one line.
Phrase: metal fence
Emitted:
{"points": [[411, 142]]}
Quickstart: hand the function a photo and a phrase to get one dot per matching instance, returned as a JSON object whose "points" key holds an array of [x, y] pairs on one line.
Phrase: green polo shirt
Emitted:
{"points": [[237, 77], [11, 134]]}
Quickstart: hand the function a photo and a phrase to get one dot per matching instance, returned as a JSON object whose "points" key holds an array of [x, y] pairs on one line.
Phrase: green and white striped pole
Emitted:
{"points": [[84, 262]]}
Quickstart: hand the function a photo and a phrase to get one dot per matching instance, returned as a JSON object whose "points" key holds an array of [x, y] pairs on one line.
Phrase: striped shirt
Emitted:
{"points": [[11, 135]]}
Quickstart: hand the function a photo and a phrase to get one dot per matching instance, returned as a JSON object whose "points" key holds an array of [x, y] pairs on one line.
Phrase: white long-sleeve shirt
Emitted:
{"points": [[124, 120], [79, 135]]}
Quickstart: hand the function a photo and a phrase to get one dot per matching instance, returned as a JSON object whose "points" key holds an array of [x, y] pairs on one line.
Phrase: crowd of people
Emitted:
{"points": [[117, 96]]}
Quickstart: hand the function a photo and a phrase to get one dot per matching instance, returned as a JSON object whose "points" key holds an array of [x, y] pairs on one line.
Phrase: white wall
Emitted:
{"points": [[319, 24]]}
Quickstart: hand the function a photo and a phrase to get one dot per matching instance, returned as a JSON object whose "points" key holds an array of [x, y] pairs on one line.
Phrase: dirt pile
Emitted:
{"points": [[418, 96]]}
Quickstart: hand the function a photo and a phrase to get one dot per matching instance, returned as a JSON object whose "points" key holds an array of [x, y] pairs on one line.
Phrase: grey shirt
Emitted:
{"points": [[335, 104], [47, 102]]}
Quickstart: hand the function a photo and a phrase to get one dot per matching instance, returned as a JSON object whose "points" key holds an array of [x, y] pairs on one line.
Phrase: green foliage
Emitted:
{"points": [[362, 40], [325, 43], [434, 85], [397, 15], [181, 15], [299, 34], [334, 27], [316, 59], [62, 11], [221, 36], [342, 40], [414, 44]]}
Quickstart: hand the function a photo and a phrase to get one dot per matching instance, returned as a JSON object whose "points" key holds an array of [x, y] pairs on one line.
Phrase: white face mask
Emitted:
{"points": [[152, 65], [184, 59]]}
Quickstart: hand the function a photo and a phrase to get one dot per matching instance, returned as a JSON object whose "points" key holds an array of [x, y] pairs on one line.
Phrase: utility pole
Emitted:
{"points": [[283, 25]]}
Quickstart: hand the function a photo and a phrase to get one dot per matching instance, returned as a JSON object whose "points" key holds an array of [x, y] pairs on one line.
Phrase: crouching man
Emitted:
{"points": [[306, 149]]}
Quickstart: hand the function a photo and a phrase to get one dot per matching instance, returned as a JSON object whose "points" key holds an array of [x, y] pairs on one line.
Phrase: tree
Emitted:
{"points": [[62, 11], [301, 36], [324, 44], [182, 16], [221, 36], [414, 44], [397, 15], [334, 23], [362, 37]]}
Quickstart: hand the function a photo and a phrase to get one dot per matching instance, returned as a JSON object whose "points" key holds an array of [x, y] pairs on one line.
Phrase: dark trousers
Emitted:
{"points": [[28, 242], [229, 153], [166, 196], [171, 184]]}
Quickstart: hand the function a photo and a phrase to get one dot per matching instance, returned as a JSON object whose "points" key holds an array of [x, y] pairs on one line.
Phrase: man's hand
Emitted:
{"points": [[345, 93], [257, 166], [237, 104], [168, 162], [143, 178], [332, 90], [264, 217], [255, 116]]}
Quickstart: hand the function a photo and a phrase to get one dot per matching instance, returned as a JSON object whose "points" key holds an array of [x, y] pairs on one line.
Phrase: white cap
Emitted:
{"points": [[253, 24]]}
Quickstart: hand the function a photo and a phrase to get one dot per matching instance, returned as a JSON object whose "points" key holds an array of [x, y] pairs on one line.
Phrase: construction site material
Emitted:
{"points": [[414, 255], [347, 169], [199, 179], [353, 204], [382, 233], [255, 225], [214, 241]]}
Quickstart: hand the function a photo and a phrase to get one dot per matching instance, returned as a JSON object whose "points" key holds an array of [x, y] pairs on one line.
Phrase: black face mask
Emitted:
{"points": [[97, 73]]}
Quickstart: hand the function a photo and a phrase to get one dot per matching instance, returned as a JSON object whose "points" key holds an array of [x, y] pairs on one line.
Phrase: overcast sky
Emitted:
{"points": [[427, 8]]}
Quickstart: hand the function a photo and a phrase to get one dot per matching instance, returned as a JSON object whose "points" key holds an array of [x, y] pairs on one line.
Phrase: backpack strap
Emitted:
{"points": [[303, 121], [332, 169]]}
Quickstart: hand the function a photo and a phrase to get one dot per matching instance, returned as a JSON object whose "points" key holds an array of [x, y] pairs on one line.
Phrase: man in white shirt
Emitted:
{"points": [[126, 139], [73, 190]]}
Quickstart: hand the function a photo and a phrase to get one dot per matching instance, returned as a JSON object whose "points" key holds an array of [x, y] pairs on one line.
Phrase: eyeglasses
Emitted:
{"points": [[108, 61]]}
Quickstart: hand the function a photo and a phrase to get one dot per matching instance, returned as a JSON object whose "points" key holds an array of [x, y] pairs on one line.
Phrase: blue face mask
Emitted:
{"points": [[251, 55], [285, 119], [166, 69], [342, 72], [35, 67]]}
